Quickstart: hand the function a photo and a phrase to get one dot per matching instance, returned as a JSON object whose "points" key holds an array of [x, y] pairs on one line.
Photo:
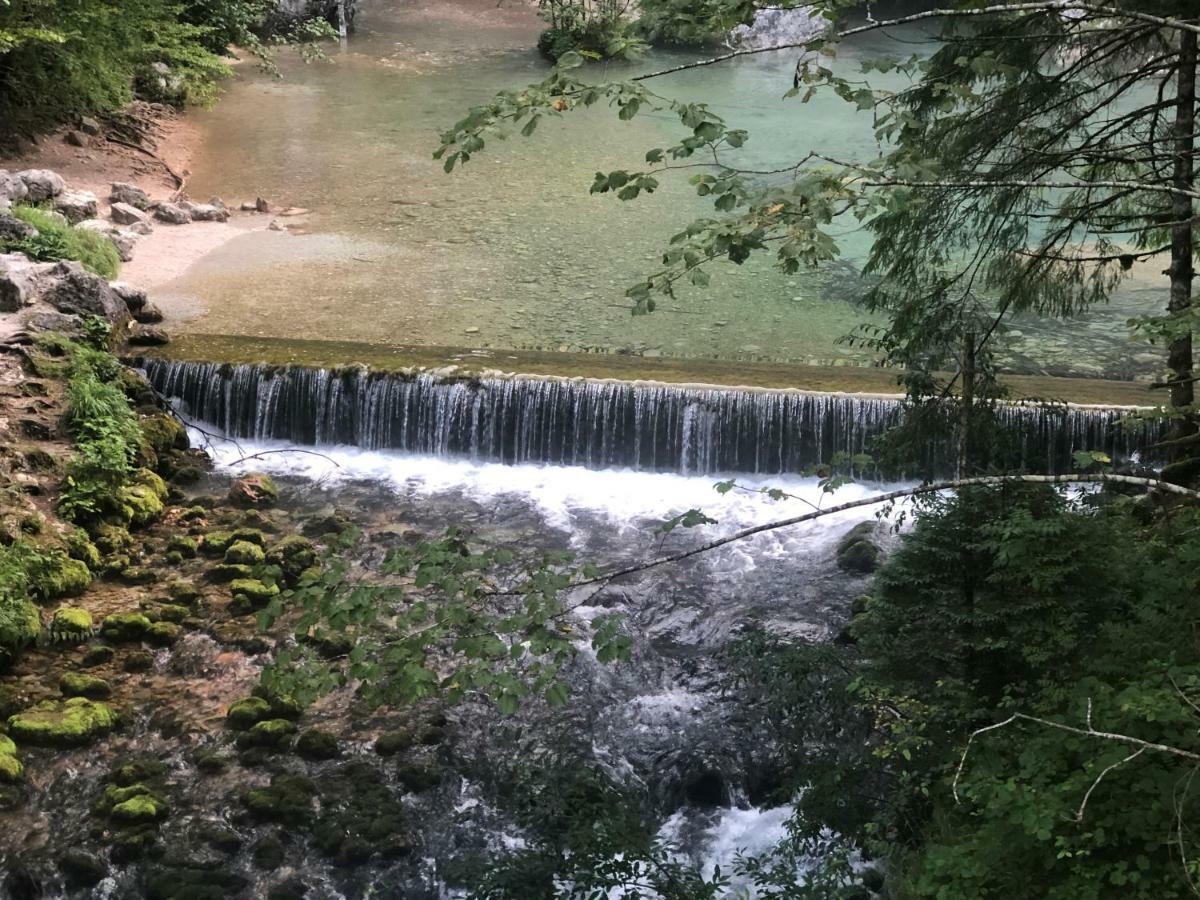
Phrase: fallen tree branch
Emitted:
{"points": [[261, 453], [1099, 478], [1088, 731]]}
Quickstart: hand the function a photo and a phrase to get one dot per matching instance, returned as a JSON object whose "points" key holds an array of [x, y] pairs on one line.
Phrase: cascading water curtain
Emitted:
{"points": [[599, 424]]}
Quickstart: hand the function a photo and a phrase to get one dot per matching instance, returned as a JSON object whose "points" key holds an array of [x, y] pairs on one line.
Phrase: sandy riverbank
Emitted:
{"points": [[170, 144]]}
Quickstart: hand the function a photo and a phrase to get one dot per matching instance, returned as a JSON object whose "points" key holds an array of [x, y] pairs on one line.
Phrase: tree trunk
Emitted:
{"points": [[1183, 462], [966, 405]]}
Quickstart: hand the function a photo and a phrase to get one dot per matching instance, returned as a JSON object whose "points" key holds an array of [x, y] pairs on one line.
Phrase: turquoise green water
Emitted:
{"points": [[513, 252]]}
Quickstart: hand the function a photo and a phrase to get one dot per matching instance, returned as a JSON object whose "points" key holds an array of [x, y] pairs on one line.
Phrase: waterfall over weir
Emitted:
{"points": [[597, 424]]}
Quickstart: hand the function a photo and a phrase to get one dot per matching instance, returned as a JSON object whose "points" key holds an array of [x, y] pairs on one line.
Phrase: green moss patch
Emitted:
{"points": [[68, 723]]}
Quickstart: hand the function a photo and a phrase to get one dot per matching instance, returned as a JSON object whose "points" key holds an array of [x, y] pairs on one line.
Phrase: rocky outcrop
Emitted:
{"points": [[77, 205], [41, 184]]}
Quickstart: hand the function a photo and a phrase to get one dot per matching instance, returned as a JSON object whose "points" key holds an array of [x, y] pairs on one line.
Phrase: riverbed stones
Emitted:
{"points": [[292, 554], [172, 214], [245, 553], [125, 627], [129, 195], [127, 214], [204, 212], [317, 745], [247, 712], [255, 489], [77, 684], [82, 869], [66, 723], [288, 799], [11, 769], [148, 336], [71, 623], [77, 206], [42, 184]]}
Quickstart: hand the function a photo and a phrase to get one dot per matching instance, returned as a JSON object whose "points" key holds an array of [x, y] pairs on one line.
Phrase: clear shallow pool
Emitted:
{"points": [[513, 252]]}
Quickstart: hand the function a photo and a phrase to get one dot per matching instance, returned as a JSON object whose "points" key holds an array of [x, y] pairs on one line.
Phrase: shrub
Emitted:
{"points": [[57, 240]]}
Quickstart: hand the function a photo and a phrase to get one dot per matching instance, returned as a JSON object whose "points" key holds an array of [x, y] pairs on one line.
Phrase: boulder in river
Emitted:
{"points": [[856, 551], [62, 723], [148, 336]]}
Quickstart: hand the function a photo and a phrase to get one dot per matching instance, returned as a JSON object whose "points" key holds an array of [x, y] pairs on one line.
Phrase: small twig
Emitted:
{"points": [[261, 453], [1082, 806]]}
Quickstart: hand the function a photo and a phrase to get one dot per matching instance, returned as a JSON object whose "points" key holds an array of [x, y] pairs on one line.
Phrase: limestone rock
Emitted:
{"points": [[14, 229], [172, 214], [141, 228], [89, 126], [77, 205], [73, 289], [129, 194], [148, 336], [12, 187], [204, 212], [134, 297], [42, 184], [124, 241], [75, 139], [127, 214], [20, 280], [149, 314]]}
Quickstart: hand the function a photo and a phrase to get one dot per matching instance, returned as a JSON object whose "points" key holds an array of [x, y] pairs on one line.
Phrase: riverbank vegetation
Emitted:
{"points": [[56, 239], [61, 60]]}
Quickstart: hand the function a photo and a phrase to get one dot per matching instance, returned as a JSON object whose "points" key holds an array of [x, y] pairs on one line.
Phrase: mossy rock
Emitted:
{"points": [[117, 563], [251, 535], [163, 634], [226, 840], [216, 543], [282, 706], [110, 539], [13, 699], [140, 809], [255, 490], [138, 769], [22, 628], [183, 591], [125, 627], [138, 575], [224, 572], [71, 623], [185, 546], [210, 762], [317, 745], [138, 661], [245, 553], [269, 853], [172, 612], [76, 684], [289, 799], [293, 554], [253, 590], [193, 514], [148, 478], [82, 869], [81, 548], [419, 776], [860, 557], [163, 432], [247, 712], [274, 734], [11, 770], [174, 558], [97, 656], [260, 521], [320, 526], [61, 576], [66, 723], [392, 742], [140, 504]]}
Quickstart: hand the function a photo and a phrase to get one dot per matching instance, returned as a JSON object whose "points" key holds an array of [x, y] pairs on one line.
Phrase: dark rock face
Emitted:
{"points": [[13, 229], [80, 292]]}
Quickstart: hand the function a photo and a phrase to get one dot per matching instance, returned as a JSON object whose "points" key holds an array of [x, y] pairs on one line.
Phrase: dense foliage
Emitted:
{"points": [[1003, 601], [57, 239], [63, 58]]}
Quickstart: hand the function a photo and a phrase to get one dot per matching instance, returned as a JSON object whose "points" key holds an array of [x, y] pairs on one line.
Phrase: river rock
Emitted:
{"points": [[856, 551], [148, 314], [42, 184], [14, 229], [148, 336], [69, 723], [12, 188], [73, 289], [129, 194], [20, 280], [77, 205], [204, 212], [134, 297], [127, 214], [172, 214]]}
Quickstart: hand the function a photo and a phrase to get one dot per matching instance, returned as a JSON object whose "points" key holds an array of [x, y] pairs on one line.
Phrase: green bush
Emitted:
{"points": [[57, 240], [687, 23]]}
